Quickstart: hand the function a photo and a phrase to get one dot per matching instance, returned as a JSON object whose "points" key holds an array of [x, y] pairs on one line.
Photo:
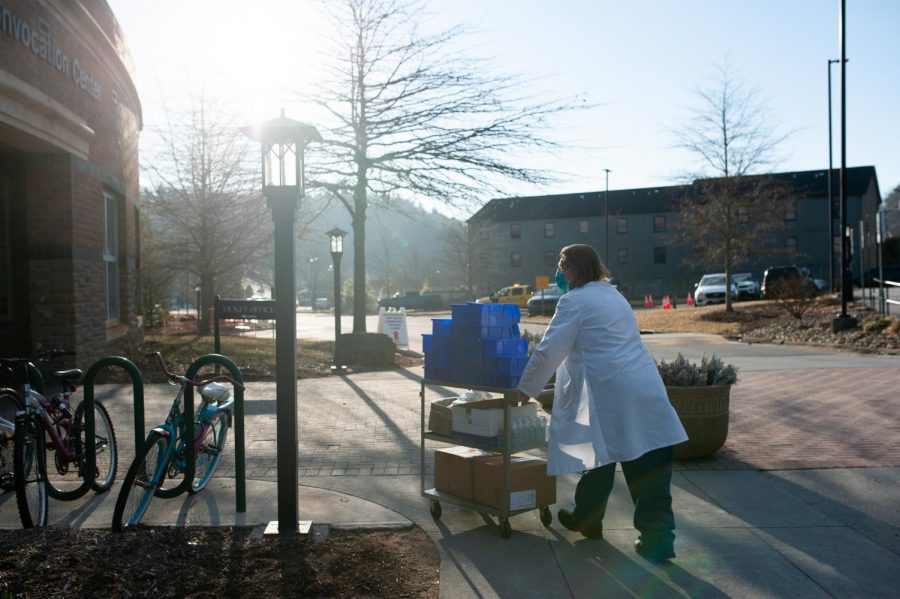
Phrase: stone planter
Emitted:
{"points": [[703, 412]]}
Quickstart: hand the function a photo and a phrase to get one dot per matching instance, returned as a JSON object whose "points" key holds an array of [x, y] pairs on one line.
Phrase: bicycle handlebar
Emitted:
{"points": [[177, 378]]}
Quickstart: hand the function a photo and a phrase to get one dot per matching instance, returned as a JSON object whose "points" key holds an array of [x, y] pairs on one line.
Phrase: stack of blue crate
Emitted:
{"points": [[480, 345]]}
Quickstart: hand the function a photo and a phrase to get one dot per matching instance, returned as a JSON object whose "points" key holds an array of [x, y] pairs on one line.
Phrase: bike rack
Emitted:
{"points": [[240, 487], [87, 391]]}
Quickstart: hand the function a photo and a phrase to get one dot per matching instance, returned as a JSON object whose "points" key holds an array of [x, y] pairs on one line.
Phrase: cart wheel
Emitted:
{"points": [[436, 509], [546, 516], [505, 528]]}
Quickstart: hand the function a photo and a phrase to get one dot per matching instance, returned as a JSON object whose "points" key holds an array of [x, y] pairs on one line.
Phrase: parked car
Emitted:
{"points": [[321, 303], [514, 294], [776, 278], [747, 286], [819, 284], [711, 289], [544, 300]]}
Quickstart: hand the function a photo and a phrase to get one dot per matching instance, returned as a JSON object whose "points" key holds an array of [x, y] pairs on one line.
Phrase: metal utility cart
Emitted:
{"points": [[511, 398]]}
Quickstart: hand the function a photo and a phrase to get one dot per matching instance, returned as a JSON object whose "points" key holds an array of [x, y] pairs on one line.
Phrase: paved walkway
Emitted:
{"points": [[800, 502]]}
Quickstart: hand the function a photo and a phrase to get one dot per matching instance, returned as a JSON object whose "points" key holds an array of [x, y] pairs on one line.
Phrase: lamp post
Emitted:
{"points": [[283, 143], [336, 236], [606, 219], [830, 193], [844, 321], [197, 291]]}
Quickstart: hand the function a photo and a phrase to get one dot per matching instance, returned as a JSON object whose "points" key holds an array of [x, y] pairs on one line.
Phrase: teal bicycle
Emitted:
{"points": [[164, 454]]}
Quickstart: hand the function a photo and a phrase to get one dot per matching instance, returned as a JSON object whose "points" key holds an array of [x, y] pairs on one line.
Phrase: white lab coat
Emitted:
{"points": [[610, 404]]}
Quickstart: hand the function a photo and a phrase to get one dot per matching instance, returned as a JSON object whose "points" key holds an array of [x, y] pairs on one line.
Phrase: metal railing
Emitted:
{"points": [[886, 301]]}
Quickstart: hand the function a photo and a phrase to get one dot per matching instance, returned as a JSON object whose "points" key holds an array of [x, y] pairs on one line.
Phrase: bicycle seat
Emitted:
{"points": [[214, 392], [67, 376]]}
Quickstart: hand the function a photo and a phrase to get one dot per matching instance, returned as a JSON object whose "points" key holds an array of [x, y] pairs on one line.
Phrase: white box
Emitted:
{"points": [[485, 418]]}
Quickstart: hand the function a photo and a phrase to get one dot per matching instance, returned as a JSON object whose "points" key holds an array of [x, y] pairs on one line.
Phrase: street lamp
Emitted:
{"points": [[197, 291], [283, 142], [314, 273], [606, 220], [336, 236], [844, 321]]}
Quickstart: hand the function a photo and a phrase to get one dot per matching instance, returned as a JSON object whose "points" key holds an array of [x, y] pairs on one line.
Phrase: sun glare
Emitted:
{"points": [[252, 58]]}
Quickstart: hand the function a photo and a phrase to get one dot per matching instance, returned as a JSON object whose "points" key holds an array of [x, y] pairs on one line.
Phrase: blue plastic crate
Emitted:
{"points": [[426, 343], [474, 334], [489, 314], [507, 365], [440, 345], [440, 361], [437, 374], [500, 346], [508, 381], [440, 327]]}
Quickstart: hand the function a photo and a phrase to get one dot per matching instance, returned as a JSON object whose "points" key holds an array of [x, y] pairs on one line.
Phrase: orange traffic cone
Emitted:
{"points": [[646, 301], [666, 305], [690, 300], [650, 305]]}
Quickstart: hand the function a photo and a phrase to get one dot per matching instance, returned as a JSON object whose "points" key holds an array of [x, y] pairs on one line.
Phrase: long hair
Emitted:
{"points": [[584, 264]]}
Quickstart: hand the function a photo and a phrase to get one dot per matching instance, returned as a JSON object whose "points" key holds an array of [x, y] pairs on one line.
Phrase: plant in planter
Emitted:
{"points": [[700, 394]]}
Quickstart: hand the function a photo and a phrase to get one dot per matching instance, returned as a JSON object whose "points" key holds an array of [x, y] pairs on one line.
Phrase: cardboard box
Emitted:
{"points": [[485, 418], [440, 419], [530, 488], [453, 469]]}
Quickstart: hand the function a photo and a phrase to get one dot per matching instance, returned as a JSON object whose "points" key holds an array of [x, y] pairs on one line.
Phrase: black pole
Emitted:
{"points": [[831, 280], [846, 289], [337, 300], [284, 208], [606, 220], [844, 321]]}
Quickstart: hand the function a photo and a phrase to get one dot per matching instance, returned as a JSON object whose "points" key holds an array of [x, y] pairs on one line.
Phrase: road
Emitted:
{"points": [[663, 346]]}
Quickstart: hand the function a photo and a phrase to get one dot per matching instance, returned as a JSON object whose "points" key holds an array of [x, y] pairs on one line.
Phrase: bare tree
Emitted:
{"points": [[211, 221], [466, 255], [730, 213], [409, 112]]}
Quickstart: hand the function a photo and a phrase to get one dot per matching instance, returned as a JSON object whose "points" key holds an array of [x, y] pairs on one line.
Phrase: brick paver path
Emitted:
{"points": [[368, 424]]}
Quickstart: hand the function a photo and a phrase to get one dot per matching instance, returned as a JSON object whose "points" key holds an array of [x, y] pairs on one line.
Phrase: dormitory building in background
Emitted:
{"points": [[70, 118], [524, 234]]}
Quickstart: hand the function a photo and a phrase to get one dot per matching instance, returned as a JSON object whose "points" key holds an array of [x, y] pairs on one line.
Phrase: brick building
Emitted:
{"points": [[70, 118], [526, 233]]}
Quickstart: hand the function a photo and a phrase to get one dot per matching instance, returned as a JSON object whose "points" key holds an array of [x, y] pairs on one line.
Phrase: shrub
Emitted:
{"points": [[681, 372], [877, 324]]}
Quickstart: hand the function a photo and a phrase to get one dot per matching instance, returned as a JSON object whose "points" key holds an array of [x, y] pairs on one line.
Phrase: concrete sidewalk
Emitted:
{"points": [[783, 510]]}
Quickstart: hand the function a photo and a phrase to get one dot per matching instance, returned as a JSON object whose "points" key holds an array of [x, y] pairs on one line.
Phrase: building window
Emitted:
{"points": [[790, 245], [551, 259], [699, 251], [659, 223], [515, 259], [790, 213], [659, 255], [743, 215], [582, 227], [515, 231], [621, 225], [622, 255], [111, 255], [5, 245], [549, 230]]}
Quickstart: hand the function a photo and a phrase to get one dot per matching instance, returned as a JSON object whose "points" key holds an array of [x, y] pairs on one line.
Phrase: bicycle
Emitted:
{"points": [[9, 405], [165, 453], [43, 425]]}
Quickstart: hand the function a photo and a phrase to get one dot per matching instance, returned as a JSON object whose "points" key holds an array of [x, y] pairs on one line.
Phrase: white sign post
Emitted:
{"points": [[393, 324]]}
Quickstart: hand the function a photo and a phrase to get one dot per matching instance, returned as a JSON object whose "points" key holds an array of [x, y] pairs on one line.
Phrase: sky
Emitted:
{"points": [[639, 61]]}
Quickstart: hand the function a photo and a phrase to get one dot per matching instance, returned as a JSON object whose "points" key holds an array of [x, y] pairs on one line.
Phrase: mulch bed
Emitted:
{"points": [[216, 562]]}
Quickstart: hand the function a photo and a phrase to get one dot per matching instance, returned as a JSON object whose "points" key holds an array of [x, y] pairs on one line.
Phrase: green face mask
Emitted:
{"points": [[561, 281]]}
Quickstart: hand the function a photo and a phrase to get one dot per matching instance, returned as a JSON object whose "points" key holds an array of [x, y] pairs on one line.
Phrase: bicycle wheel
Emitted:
{"points": [[210, 451], [30, 473], [144, 477], [9, 405], [104, 446]]}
